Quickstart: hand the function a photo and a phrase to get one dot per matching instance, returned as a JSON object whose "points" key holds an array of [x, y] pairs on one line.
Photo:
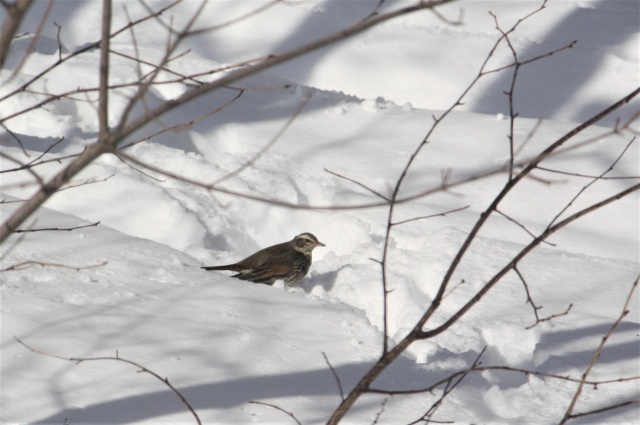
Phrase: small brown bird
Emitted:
{"points": [[288, 261]]}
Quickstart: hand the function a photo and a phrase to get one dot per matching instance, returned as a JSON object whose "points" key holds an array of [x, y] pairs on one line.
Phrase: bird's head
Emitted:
{"points": [[306, 242]]}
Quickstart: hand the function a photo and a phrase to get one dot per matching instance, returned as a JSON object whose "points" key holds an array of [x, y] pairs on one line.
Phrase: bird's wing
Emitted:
{"points": [[268, 265], [266, 275]]}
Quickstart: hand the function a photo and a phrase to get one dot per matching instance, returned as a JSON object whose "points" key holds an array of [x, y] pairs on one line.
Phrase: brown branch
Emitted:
{"points": [[420, 334], [588, 176], [456, 23], [529, 299], [186, 124], [606, 409], [24, 265], [268, 146], [137, 169], [117, 358], [526, 372], [417, 333], [596, 355], [103, 99], [86, 48], [522, 226], [235, 20], [450, 386], [442, 214], [552, 316], [535, 307], [584, 188], [15, 13], [380, 412], [87, 182], [34, 40], [536, 58], [277, 408], [507, 188], [395, 195], [362, 185], [57, 228], [23, 167], [16, 138], [58, 39], [335, 375]]}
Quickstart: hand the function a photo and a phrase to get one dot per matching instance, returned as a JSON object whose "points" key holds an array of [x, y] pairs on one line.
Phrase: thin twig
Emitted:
{"points": [[522, 226], [277, 408], [25, 264], [268, 146], [420, 334], [595, 179], [362, 185], [442, 214], [117, 358], [16, 138], [450, 386], [66, 229], [529, 298], [596, 355], [335, 375], [240, 18], [606, 409], [480, 369], [380, 412], [87, 182]]}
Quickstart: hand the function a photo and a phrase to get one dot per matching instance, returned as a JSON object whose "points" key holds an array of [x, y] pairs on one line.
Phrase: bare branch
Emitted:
{"points": [[526, 372], [419, 334], [87, 182], [362, 185], [86, 48], [450, 386], [256, 11], [606, 409], [335, 375], [277, 408], [522, 226], [117, 358], [16, 138], [23, 167], [596, 355], [66, 229], [34, 41], [529, 299], [16, 12], [103, 100], [380, 412], [535, 307], [442, 214], [26, 264], [268, 146], [188, 123], [551, 317], [581, 191]]}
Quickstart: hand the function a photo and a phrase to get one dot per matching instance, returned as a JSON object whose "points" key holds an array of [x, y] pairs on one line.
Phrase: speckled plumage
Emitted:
{"points": [[289, 261]]}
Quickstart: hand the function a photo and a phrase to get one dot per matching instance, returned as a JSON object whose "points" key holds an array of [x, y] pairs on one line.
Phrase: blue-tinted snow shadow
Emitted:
{"points": [[403, 374], [544, 88], [222, 395]]}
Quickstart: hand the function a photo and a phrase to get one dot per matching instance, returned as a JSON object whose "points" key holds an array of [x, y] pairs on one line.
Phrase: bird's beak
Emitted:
{"points": [[320, 244]]}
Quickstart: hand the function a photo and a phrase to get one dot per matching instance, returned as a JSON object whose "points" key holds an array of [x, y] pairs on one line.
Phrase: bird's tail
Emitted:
{"points": [[232, 267]]}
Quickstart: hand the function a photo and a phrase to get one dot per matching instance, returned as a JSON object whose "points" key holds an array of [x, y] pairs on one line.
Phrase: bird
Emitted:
{"points": [[288, 261]]}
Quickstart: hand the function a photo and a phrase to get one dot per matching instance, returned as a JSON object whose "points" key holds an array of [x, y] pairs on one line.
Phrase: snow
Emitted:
{"points": [[132, 286]]}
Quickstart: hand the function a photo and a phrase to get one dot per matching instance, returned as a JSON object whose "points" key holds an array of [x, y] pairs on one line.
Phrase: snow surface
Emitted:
{"points": [[224, 343]]}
